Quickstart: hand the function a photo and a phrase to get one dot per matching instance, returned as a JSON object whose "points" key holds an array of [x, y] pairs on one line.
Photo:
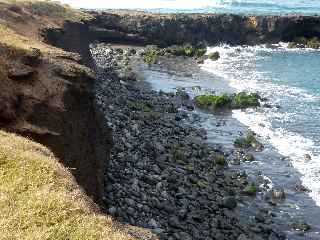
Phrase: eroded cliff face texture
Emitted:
{"points": [[47, 94], [171, 29], [49, 98]]}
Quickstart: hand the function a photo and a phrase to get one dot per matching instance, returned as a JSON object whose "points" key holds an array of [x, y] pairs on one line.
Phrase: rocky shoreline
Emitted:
{"points": [[162, 174]]}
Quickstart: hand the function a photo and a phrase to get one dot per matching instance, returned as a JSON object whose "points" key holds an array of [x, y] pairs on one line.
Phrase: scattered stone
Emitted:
{"points": [[162, 174], [229, 202], [301, 188], [307, 157]]}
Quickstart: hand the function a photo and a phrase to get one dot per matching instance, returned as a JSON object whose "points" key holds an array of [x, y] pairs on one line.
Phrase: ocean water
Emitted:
{"points": [[305, 7], [288, 126], [290, 80]]}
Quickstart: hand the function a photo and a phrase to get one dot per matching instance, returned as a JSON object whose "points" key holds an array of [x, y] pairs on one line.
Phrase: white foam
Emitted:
{"points": [[236, 65], [144, 4], [234, 60], [287, 144]]}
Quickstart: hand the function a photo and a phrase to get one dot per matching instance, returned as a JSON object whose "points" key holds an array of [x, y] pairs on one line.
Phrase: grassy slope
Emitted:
{"points": [[39, 198]]}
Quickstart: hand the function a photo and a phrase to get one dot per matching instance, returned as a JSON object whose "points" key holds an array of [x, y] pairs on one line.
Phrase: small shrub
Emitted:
{"points": [[214, 56]]}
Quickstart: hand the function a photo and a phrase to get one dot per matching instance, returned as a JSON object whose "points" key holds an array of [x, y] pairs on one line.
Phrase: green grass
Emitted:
{"points": [[39, 198]]}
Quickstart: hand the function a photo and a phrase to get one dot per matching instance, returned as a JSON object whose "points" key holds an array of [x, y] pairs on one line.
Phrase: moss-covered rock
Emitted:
{"points": [[248, 141], [151, 56], [303, 42], [214, 56], [236, 101], [213, 101], [139, 106], [152, 53], [313, 43], [220, 160], [250, 190], [246, 100], [301, 227]]}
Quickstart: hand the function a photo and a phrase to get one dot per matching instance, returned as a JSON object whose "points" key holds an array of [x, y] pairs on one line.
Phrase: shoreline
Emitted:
{"points": [[141, 189]]}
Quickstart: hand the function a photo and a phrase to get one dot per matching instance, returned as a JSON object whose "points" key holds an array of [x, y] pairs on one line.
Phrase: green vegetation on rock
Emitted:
{"points": [[152, 53], [220, 160], [244, 142], [302, 227], [248, 141], [245, 100], [215, 101], [251, 189], [214, 56], [150, 56], [139, 106], [303, 42], [236, 101]]}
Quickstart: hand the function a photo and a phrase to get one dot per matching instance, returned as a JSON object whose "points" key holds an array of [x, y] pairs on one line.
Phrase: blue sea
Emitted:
{"points": [[288, 125], [276, 7], [288, 78]]}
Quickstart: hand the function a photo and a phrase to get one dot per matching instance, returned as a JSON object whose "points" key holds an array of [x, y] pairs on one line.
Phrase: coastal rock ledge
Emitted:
{"points": [[168, 29]]}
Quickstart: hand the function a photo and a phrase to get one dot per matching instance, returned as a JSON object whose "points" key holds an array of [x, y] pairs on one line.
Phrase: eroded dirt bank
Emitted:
{"points": [[47, 94]]}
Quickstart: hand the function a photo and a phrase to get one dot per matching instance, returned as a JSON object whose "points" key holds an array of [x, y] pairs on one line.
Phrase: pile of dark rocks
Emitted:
{"points": [[162, 174]]}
